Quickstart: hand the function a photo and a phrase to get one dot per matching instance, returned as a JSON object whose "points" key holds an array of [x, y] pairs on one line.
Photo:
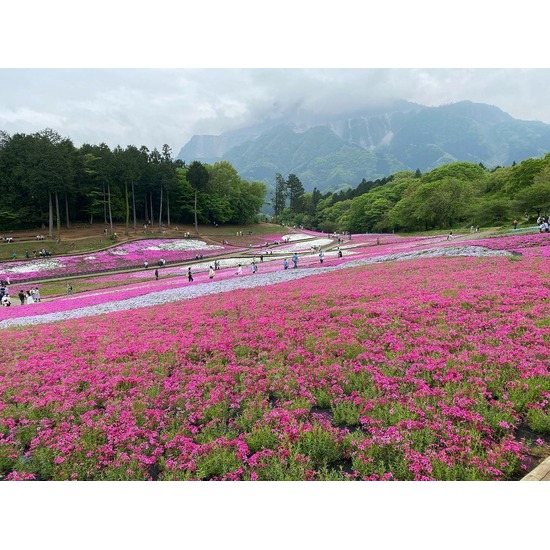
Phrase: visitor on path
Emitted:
{"points": [[30, 299], [515, 224], [339, 253], [321, 256], [189, 275], [69, 289], [254, 268], [295, 261], [239, 270], [6, 301], [145, 264], [157, 274], [37, 295], [211, 272], [285, 264], [450, 236], [22, 297]]}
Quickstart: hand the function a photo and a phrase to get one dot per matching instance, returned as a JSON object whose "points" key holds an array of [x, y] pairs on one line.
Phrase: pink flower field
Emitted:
{"points": [[430, 369], [123, 256]]}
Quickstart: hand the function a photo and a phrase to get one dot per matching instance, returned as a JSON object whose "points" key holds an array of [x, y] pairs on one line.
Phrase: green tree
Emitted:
{"points": [[281, 193], [197, 175], [295, 194], [536, 197]]}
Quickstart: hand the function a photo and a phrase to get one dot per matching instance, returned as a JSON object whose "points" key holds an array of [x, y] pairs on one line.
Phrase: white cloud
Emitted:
{"points": [[156, 106]]}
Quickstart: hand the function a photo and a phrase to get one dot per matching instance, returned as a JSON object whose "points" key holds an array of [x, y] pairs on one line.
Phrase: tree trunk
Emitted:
{"points": [[127, 206], [160, 208], [104, 205], [50, 215], [109, 204], [168, 208], [146, 210], [134, 206], [151, 208], [58, 217], [68, 223], [196, 222]]}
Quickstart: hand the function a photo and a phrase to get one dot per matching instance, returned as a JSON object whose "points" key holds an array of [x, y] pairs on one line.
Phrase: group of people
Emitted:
{"points": [[29, 296], [542, 222], [253, 268], [5, 294]]}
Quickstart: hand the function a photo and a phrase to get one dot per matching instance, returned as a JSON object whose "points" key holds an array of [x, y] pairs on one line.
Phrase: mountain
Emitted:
{"points": [[338, 152]]}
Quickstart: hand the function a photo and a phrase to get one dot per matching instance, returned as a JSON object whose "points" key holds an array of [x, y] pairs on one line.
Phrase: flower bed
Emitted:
{"points": [[377, 372], [128, 255]]}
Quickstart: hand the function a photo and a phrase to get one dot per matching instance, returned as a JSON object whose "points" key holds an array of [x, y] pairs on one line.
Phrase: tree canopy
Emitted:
{"points": [[455, 194], [44, 179]]}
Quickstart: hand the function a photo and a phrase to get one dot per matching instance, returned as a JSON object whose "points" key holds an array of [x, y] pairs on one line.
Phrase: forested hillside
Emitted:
{"points": [[338, 152], [459, 194], [45, 181]]}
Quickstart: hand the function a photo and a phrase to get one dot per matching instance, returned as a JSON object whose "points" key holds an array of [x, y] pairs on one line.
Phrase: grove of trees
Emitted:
{"points": [[459, 194], [45, 181]]}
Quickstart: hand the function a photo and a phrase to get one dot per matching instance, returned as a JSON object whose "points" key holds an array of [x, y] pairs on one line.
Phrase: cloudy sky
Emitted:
{"points": [[66, 75]]}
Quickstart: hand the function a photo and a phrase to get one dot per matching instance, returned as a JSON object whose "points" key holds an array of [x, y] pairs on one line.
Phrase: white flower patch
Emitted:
{"points": [[90, 258], [119, 252], [36, 265], [184, 245], [296, 237], [303, 246]]}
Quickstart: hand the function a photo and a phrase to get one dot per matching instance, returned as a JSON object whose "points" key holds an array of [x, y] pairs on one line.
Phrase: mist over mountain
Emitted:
{"points": [[337, 152]]}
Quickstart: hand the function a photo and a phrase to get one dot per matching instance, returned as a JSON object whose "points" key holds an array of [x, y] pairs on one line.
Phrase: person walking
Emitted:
{"points": [[69, 289], [285, 264], [254, 268], [22, 297], [157, 274], [321, 256], [189, 275], [239, 270], [295, 261], [211, 272]]}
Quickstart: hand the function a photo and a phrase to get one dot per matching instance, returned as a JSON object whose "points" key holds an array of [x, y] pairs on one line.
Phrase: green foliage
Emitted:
{"points": [[538, 420], [217, 462], [261, 438], [346, 413], [320, 446], [45, 180], [529, 391], [273, 468]]}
